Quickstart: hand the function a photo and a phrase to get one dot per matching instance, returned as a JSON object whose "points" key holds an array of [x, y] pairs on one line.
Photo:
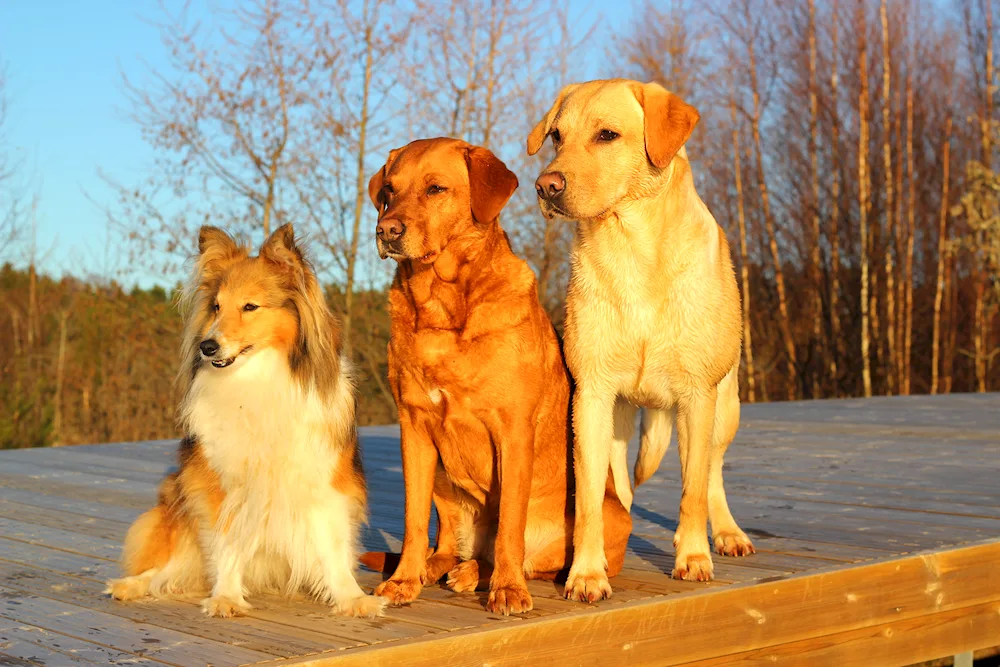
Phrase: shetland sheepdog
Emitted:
{"points": [[270, 492]]}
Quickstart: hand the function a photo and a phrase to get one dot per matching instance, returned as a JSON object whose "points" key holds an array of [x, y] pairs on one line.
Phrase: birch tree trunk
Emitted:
{"points": [[910, 234], [362, 183], [942, 252], [744, 259], [863, 196], [779, 278], [890, 286], [815, 260], [835, 351]]}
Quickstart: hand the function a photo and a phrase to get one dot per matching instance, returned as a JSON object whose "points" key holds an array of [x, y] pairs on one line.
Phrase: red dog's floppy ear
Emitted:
{"points": [[669, 122], [491, 184], [377, 181]]}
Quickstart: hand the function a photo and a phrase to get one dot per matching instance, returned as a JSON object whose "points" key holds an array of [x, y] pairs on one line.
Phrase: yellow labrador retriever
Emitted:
{"points": [[653, 315]]}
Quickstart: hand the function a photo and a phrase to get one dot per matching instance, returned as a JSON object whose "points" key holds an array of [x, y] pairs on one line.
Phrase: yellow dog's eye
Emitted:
{"points": [[250, 307], [556, 137], [607, 135]]}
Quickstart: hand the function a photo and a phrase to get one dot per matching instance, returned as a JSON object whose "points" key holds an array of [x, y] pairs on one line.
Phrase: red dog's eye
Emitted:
{"points": [[435, 190]]}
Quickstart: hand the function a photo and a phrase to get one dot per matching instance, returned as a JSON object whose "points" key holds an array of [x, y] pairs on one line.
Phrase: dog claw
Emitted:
{"points": [[588, 588]]}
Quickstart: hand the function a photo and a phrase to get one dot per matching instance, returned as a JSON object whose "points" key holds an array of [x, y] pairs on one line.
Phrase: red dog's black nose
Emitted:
{"points": [[389, 229]]}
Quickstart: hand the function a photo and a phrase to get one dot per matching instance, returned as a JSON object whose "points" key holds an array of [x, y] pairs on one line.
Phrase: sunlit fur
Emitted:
{"points": [[270, 492]]}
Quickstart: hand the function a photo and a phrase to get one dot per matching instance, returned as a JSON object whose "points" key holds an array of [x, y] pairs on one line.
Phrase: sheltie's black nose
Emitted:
{"points": [[209, 347]]}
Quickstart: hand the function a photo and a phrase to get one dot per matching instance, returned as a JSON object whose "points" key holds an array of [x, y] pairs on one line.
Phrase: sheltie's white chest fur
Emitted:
{"points": [[276, 449]]}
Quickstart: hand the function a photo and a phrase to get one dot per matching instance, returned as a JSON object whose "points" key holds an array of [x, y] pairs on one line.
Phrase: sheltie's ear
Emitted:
{"points": [[216, 252], [281, 248]]}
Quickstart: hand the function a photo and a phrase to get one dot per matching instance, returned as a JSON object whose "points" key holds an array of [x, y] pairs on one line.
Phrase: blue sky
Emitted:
{"points": [[64, 60]]}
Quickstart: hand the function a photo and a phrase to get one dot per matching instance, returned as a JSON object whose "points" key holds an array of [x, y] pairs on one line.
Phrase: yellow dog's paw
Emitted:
{"points": [[693, 567], [733, 543], [588, 587], [223, 607]]}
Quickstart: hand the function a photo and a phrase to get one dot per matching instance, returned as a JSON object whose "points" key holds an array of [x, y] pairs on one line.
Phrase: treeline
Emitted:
{"points": [[87, 362], [848, 148]]}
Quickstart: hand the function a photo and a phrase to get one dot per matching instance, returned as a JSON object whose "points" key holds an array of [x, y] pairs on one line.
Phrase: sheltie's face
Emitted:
{"points": [[241, 305], [250, 310]]}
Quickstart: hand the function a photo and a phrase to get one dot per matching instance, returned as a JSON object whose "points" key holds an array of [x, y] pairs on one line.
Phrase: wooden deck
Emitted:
{"points": [[877, 524]]}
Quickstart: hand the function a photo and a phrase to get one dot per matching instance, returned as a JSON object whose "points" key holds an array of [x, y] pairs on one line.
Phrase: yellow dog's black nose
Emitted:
{"points": [[550, 185]]}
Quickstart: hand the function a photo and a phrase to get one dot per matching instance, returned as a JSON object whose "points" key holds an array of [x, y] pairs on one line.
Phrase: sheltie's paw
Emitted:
{"points": [[365, 606], [399, 591], [223, 607], [128, 588]]}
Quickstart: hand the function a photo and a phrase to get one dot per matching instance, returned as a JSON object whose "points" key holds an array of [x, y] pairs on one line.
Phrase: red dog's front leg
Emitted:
{"points": [[420, 458]]}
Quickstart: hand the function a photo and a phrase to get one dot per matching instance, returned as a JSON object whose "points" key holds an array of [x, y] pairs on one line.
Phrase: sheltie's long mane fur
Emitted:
{"points": [[270, 492]]}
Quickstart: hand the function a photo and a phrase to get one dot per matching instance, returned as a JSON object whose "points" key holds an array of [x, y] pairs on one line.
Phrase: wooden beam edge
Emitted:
{"points": [[703, 625]]}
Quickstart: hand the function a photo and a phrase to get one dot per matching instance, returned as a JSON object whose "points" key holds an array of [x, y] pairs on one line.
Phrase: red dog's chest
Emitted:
{"points": [[436, 383]]}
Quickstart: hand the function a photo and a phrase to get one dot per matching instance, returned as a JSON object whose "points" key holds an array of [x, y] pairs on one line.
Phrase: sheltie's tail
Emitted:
{"points": [[380, 561]]}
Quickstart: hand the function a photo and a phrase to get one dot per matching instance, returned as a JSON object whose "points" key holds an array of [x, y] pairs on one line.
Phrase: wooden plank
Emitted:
{"points": [[19, 653], [741, 618], [904, 642], [48, 648], [276, 626], [60, 539], [63, 562], [75, 523], [87, 625], [92, 491], [70, 504]]}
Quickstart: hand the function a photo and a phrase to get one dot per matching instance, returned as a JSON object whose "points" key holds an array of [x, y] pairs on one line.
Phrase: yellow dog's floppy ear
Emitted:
{"points": [[377, 181], [538, 134], [669, 122], [491, 184]]}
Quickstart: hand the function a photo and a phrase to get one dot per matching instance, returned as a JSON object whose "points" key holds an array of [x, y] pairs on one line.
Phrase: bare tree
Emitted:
{"points": [[221, 116], [890, 228], [744, 258], [864, 201], [815, 259], [749, 39], [942, 257], [834, 351]]}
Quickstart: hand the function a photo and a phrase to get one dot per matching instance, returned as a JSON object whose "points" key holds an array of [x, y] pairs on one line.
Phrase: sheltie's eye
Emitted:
{"points": [[250, 307], [215, 307]]}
